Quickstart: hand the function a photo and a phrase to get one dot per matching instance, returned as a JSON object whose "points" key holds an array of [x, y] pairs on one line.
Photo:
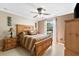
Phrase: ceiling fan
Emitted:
{"points": [[40, 11]]}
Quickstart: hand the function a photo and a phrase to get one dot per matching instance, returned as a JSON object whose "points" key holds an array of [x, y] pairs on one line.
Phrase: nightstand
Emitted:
{"points": [[9, 43]]}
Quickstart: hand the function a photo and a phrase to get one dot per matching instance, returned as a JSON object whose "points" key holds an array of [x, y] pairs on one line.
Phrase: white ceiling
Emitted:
{"points": [[24, 9]]}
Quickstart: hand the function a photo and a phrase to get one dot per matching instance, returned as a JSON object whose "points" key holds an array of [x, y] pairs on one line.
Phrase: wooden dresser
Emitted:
{"points": [[9, 43], [72, 37]]}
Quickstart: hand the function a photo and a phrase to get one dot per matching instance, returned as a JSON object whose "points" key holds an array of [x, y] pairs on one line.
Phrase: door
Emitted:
{"points": [[72, 36], [68, 35]]}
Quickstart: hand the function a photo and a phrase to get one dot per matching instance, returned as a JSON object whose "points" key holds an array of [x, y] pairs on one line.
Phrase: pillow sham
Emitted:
{"points": [[33, 32]]}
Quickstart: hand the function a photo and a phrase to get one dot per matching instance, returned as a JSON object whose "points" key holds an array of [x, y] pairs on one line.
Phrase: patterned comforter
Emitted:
{"points": [[28, 41]]}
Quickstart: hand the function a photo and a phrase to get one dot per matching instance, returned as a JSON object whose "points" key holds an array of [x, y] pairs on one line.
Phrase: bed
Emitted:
{"points": [[36, 44]]}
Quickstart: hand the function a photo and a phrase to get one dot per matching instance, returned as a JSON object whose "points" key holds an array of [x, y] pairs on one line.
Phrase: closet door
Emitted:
{"points": [[74, 36], [76, 49], [68, 34]]}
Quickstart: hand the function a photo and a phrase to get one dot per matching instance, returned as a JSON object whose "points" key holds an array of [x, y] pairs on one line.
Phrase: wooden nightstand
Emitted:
{"points": [[9, 43]]}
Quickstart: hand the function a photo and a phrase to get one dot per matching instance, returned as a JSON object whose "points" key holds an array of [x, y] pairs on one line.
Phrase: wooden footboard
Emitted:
{"points": [[42, 46]]}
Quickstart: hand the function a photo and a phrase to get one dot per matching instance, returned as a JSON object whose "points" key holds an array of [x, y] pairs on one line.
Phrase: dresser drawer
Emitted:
{"points": [[8, 46], [13, 44], [14, 41], [5, 47], [9, 43]]}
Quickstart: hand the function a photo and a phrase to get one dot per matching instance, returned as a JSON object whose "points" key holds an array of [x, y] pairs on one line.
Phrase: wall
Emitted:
{"points": [[61, 26], [41, 26], [15, 20]]}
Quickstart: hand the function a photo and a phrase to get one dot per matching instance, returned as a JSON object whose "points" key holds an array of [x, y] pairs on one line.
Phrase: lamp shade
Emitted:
{"points": [[11, 29]]}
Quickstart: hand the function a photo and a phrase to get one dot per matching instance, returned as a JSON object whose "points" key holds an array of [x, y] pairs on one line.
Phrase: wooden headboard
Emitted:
{"points": [[21, 28]]}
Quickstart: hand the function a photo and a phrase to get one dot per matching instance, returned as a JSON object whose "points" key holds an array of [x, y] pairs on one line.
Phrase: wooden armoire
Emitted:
{"points": [[72, 37]]}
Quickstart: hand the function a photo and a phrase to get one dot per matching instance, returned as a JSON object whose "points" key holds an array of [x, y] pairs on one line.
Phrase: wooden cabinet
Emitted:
{"points": [[72, 37], [70, 53], [9, 43]]}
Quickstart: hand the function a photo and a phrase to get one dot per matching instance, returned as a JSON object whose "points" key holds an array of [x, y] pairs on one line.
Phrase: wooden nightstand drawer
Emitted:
{"points": [[9, 43], [6, 46], [13, 46]]}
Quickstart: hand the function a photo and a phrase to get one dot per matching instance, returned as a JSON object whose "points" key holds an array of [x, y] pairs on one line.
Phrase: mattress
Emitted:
{"points": [[38, 36]]}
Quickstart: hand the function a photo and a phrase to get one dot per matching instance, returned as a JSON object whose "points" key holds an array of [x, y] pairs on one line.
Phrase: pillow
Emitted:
{"points": [[28, 32], [33, 32], [25, 32]]}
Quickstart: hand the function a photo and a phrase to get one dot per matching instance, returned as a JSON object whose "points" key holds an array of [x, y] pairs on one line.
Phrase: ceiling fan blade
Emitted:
{"points": [[35, 16], [34, 12], [46, 13]]}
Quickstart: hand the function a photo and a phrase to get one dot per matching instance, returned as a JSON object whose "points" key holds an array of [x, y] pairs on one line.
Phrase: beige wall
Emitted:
{"points": [[41, 26], [15, 20], [61, 25]]}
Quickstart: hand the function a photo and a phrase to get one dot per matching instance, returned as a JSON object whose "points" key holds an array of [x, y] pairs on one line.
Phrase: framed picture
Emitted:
{"points": [[9, 21]]}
